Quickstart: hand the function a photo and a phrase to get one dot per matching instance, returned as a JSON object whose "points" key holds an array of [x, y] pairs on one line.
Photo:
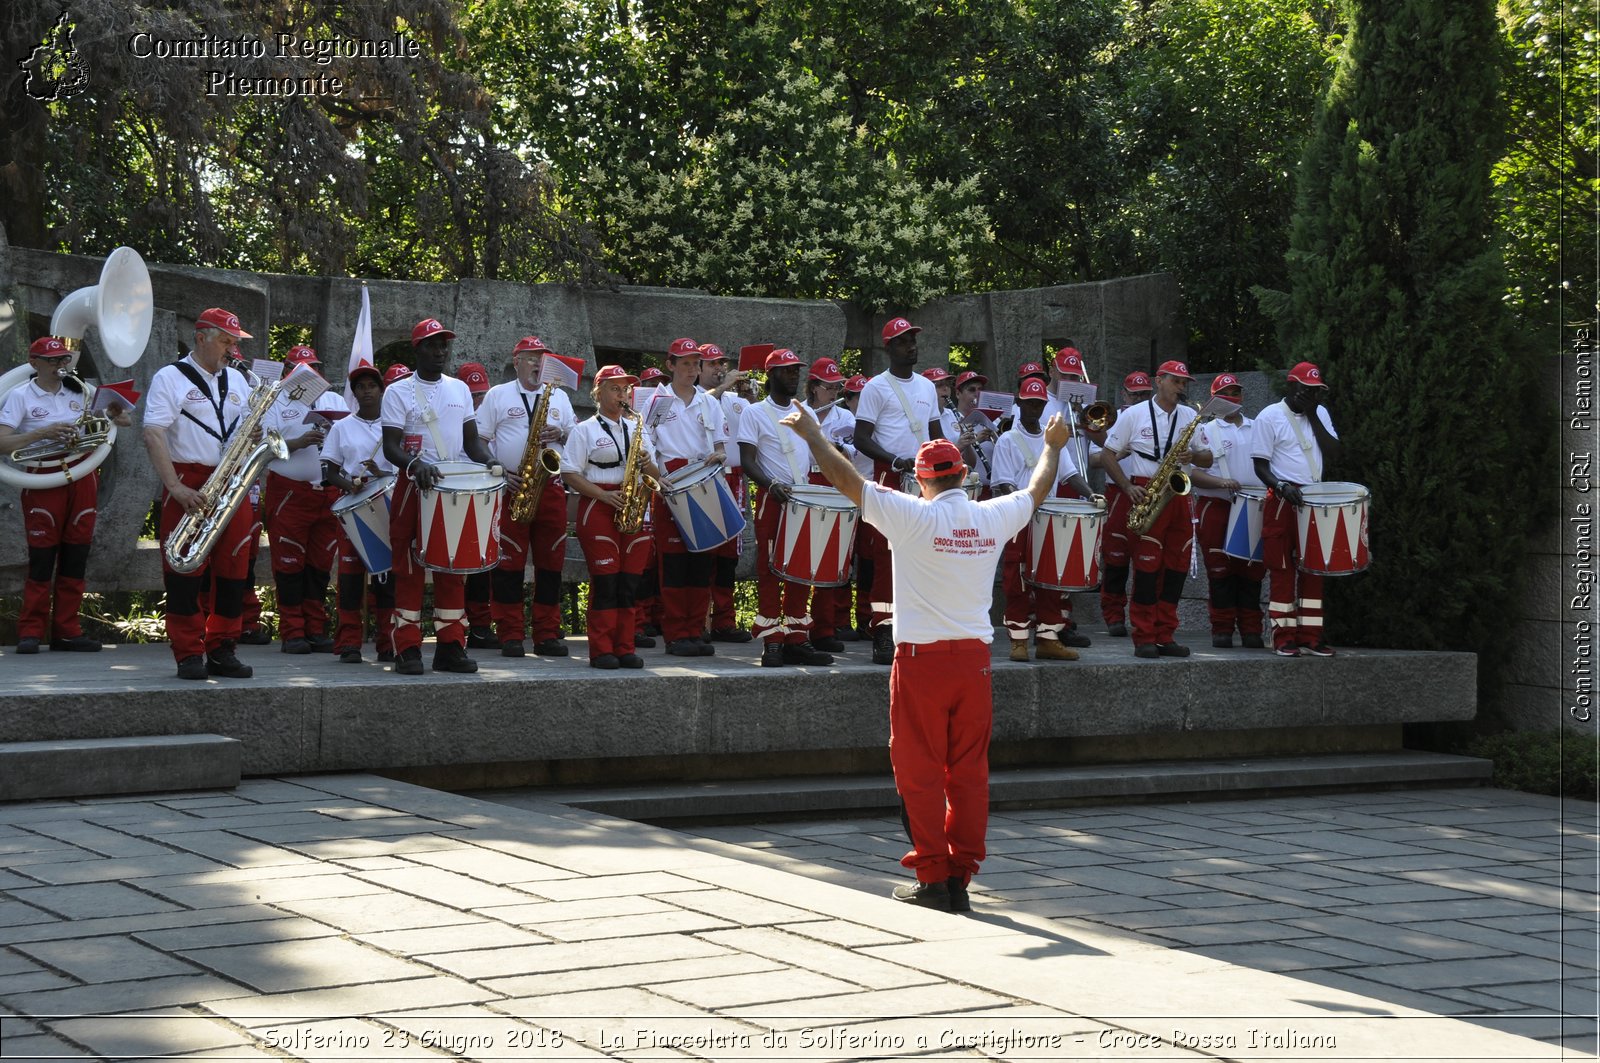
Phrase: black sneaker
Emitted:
{"points": [[684, 648], [1173, 649], [631, 660], [606, 662], [256, 636], [481, 638], [883, 644], [296, 646], [924, 895], [1252, 642], [848, 634], [1222, 642], [192, 668], [643, 642], [1117, 631], [75, 644], [730, 634], [652, 630], [512, 648], [959, 901], [452, 657], [409, 662], [550, 648], [706, 649], [804, 653], [1149, 651], [28, 645], [350, 655], [385, 656], [772, 655], [1073, 638], [320, 643], [828, 643], [224, 662]]}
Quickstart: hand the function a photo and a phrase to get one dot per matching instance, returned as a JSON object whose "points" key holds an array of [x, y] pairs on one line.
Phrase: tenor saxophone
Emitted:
{"points": [[228, 485], [539, 463], [637, 485], [1167, 481]]}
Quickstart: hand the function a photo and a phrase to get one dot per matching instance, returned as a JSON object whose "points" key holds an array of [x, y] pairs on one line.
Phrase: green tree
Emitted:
{"points": [[1397, 292]]}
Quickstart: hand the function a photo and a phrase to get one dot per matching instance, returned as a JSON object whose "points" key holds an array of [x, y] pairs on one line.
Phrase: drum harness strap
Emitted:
{"points": [[429, 418], [796, 473], [919, 432], [1308, 447]]}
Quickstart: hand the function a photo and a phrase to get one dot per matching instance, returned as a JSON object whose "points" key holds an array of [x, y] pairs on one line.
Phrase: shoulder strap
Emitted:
{"points": [[918, 431]]}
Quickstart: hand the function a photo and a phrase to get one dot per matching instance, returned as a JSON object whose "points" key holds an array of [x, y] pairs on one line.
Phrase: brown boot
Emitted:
{"points": [[1052, 650], [1019, 649]]}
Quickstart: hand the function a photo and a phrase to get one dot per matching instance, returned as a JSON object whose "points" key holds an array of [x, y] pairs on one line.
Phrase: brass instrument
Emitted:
{"points": [[91, 431], [226, 489], [1168, 480], [637, 485], [539, 463]]}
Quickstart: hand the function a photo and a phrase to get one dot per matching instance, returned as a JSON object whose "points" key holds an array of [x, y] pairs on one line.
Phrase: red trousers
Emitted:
{"points": [[1235, 584], [727, 563], [303, 537], [545, 541], [874, 548], [686, 577], [60, 525], [941, 712], [616, 562], [1160, 565], [409, 575], [1294, 598], [1046, 612], [1116, 553], [353, 597], [194, 628], [782, 606]]}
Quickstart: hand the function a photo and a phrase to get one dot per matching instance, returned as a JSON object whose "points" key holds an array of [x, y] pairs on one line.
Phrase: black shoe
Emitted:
{"points": [[1117, 631], [631, 660], [452, 657], [28, 645], [848, 634], [550, 648], [1148, 651], [883, 644], [652, 630], [924, 895], [1173, 649], [772, 655], [730, 634], [643, 642], [1073, 638], [409, 662], [828, 644], [350, 655], [959, 901], [481, 638], [706, 649], [320, 643], [512, 648], [296, 646], [1252, 642], [683, 648], [804, 653], [607, 662], [385, 656], [192, 668], [75, 644], [224, 662], [1222, 642], [256, 636]]}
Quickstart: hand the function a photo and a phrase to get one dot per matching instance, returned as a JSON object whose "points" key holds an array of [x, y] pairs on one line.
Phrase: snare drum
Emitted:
{"points": [[972, 485], [1332, 524], [702, 506], [815, 537], [364, 515], [1064, 545], [458, 523], [1243, 538]]}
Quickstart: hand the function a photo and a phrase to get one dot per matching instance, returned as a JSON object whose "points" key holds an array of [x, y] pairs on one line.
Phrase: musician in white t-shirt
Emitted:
{"points": [[1234, 583], [1294, 441], [899, 411], [940, 700], [830, 606], [722, 385], [427, 418], [1116, 546]]}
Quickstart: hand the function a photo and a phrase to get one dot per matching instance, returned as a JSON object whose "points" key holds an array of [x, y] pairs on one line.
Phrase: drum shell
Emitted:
{"points": [[1064, 545], [458, 522], [1331, 525], [703, 507], [364, 516], [1243, 536], [815, 537]]}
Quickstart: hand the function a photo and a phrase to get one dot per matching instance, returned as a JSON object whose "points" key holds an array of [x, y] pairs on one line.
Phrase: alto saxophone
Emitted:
{"points": [[637, 485], [228, 485], [539, 463], [1168, 480]]}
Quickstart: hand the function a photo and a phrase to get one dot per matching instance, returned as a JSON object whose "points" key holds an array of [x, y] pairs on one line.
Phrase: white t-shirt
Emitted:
{"points": [[1018, 451], [783, 456], [1276, 440], [288, 419], [880, 405], [598, 448], [1231, 447], [29, 407], [172, 395], [733, 409], [448, 400], [945, 553], [503, 420], [1134, 430], [352, 442], [690, 430]]}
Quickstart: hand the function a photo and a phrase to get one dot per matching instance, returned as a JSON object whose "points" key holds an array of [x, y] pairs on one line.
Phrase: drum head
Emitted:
{"points": [[467, 476], [374, 487], [816, 496], [1333, 493], [689, 476]]}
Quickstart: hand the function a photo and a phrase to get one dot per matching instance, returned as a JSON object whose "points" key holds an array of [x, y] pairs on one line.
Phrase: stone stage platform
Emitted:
{"points": [[557, 721]]}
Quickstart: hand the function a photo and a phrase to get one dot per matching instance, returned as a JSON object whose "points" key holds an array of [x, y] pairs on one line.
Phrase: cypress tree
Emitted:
{"points": [[1396, 291]]}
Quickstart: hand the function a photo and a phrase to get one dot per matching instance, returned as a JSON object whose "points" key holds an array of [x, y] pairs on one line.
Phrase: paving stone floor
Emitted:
{"points": [[350, 917]]}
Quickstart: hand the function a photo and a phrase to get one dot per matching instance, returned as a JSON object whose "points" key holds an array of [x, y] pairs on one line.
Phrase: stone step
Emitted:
{"points": [[1029, 787], [96, 766]]}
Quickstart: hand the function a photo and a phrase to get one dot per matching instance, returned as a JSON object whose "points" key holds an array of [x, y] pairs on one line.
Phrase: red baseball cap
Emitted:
{"points": [[1033, 388], [1136, 381], [938, 374], [397, 371], [1173, 367], [1225, 380], [427, 328], [300, 354], [857, 383], [1307, 374], [48, 347], [710, 352], [939, 457], [1068, 360], [615, 372], [898, 327], [649, 373], [781, 357], [1030, 369], [474, 375], [530, 345], [826, 370], [968, 377], [684, 348], [226, 320], [367, 367]]}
